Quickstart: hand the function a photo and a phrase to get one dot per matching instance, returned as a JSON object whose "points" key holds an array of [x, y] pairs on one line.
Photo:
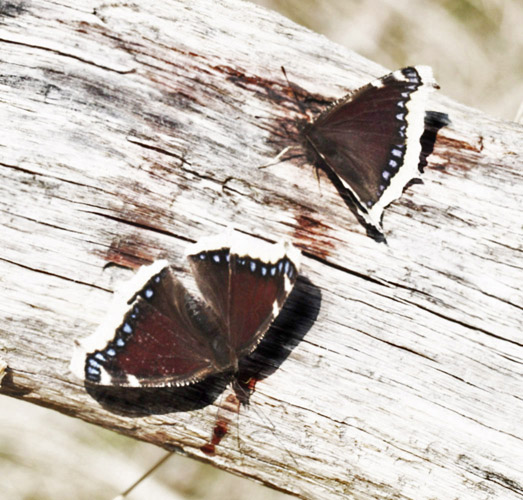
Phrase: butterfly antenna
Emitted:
{"points": [[298, 102], [238, 442], [144, 476], [317, 172], [278, 157]]}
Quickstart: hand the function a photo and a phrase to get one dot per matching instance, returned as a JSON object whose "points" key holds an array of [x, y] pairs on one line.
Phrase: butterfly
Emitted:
{"points": [[157, 334], [370, 139]]}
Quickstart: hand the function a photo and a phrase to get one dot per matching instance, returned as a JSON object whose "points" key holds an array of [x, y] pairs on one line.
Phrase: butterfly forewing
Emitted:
{"points": [[209, 262], [359, 134], [245, 284], [163, 339], [364, 138]]}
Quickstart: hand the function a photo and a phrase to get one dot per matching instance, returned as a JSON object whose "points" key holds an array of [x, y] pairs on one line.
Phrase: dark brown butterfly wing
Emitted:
{"points": [[371, 138], [163, 336], [258, 288], [163, 339], [249, 296]]}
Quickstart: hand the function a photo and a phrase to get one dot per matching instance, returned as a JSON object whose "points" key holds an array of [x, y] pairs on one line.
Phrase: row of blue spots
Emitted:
{"points": [[254, 265], [413, 77], [284, 265], [99, 358], [92, 369], [411, 74], [147, 292], [127, 328], [397, 151], [216, 257]]}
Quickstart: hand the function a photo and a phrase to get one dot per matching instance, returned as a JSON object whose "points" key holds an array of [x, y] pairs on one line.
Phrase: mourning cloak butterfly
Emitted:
{"points": [[370, 139], [159, 335]]}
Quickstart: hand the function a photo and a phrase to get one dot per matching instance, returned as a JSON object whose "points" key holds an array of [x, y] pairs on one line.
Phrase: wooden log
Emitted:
{"points": [[131, 130]]}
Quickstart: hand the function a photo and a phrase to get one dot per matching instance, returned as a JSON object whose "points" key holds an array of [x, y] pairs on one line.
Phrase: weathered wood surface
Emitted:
{"points": [[130, 130]]}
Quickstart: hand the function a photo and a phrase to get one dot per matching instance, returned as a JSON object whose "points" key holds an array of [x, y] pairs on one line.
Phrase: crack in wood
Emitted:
{"points": [[464, 324], [70, 56], [57, 178], [55, 275], [352, 272], [471, 466], [139, 225], [158, 149]]}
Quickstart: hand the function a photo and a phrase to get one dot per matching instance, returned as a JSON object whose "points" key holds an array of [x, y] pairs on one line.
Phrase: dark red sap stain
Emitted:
{"points": [[238, 76], [251, 384], [313, 235], [460, 155], [129, 252], [244, 80], [275, 89], [230, 406], [219, 431]]}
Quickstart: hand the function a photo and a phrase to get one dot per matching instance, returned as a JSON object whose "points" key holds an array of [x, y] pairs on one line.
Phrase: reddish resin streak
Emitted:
{"points": [[219, 431]]}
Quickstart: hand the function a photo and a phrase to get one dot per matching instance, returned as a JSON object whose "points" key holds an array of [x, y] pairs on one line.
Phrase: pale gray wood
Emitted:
{"points": [[130, 130]]}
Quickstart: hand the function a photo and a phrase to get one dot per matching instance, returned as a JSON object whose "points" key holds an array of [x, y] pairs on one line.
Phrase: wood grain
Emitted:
{"points": [[131, 130]]}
